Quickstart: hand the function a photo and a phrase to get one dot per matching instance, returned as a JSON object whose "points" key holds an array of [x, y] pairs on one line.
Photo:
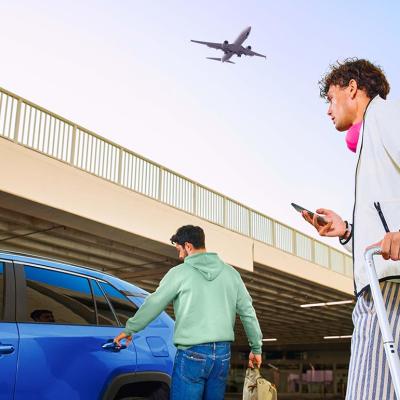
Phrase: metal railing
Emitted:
{"points": [[34, 127]]}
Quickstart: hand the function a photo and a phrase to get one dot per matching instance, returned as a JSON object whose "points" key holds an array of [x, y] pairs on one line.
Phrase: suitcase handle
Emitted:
{"points": [[388, 342]]}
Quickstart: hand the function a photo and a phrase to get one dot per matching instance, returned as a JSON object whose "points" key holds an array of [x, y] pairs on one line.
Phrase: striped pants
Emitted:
{"points": [[369, 375]]}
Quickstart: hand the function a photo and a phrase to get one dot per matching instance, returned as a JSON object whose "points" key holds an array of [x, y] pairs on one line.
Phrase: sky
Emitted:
{"points": [[256, 131]]}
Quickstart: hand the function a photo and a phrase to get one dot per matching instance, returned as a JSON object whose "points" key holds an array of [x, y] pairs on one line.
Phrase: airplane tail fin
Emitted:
{"points": [[218, 59]]}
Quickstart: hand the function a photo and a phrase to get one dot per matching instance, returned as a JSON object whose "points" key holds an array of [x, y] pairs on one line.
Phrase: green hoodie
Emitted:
{"points": [[206, 294]]}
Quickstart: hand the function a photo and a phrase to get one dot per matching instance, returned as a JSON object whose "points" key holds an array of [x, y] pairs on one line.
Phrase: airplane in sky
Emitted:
{"points": [[231, 49]]}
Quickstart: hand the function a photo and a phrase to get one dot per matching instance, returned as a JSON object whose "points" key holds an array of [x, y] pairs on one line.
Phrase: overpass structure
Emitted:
{"points": [[68, 193]]}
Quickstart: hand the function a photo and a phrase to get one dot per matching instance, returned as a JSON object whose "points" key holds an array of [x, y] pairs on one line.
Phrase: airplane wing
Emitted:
{"points": [[253, 53], [218, 59], [217, 46]]}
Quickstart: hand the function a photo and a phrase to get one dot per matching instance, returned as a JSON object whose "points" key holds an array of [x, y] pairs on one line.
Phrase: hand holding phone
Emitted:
{"points": [[328, 224], [321, 220]]}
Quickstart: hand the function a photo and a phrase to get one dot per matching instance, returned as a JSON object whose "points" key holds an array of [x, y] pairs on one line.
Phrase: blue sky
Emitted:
{"points": [[256, 131]]}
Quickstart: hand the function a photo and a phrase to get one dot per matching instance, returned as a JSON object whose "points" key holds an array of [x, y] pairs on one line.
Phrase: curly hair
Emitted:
{"points": [[369, 77], [189, 234]]}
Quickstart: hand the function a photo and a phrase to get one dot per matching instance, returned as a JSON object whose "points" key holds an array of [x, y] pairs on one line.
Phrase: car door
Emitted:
{"points": [[62, 332], [158, 338], [8, 332]]}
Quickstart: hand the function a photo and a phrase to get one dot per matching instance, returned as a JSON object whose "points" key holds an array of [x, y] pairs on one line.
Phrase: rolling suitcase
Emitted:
{"points": [[387, 336]]}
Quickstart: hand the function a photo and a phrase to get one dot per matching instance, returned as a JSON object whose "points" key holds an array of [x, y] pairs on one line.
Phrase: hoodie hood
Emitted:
{"points": [[208, 264]]}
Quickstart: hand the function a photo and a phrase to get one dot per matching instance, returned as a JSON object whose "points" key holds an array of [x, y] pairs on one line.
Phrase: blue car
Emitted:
{"points": [[57, 324]]}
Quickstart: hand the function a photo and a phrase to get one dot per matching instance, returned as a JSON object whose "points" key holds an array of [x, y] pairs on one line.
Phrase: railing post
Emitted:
{"points": [[313, 251], [273, 233], [17, 121], [194, 205], [119, 176], [250, 224], [329, 259], [73, 145], [225, 212], [294, 242], [160, 184]]}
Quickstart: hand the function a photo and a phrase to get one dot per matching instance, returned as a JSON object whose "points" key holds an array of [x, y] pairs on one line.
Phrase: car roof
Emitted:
{"points": [[120, 284]]}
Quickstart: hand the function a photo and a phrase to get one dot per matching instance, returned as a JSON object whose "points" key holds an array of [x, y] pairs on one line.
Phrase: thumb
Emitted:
{"points": [[322, 211], [377, 244]]}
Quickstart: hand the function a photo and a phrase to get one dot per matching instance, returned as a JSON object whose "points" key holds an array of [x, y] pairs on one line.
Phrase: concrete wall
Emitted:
{"points": [[29, 175]]}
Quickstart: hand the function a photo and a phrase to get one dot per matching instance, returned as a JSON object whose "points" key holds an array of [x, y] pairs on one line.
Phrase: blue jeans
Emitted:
{"points": [[200, 372]]}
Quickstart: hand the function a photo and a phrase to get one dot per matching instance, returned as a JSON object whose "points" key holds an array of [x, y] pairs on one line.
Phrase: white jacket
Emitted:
{"points": [[377, 180]]}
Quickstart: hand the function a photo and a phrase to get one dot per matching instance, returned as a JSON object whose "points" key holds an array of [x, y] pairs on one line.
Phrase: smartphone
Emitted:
{"points": [[300, 209]]}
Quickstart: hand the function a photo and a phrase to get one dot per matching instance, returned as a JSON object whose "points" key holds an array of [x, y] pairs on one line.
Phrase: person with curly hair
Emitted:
{"points": [[356, 92]]}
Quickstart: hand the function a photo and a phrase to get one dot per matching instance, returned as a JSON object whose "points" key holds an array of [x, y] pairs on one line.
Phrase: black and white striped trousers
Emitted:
{"points": [[369, 375]]}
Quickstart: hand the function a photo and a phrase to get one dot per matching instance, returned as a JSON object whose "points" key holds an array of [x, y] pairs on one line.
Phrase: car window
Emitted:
{"points": [[1, 291], [123, 307], [104, 313], [57, 297]]}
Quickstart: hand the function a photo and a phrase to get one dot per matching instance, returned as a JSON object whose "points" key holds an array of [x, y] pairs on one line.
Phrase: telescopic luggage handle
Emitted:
{"points": [[387, 335]]}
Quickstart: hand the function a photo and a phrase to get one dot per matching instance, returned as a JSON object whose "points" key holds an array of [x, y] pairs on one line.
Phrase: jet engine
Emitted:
{"points": [[225, 44], [248, 47]]}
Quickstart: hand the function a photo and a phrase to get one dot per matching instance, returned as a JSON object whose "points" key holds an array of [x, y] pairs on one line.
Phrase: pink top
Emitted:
{"points": [[352, 136]]}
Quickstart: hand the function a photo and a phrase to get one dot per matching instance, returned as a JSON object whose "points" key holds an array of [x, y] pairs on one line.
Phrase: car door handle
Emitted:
{"points": [[112, 346], [6, 349]]}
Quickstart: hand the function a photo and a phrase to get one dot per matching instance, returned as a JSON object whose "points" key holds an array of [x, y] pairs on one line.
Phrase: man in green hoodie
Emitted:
{"points": [[206, 294]]}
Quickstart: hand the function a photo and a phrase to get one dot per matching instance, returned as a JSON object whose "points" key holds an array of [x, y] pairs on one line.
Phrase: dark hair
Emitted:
{"points": [[369, 77], [189, 234], [36, 314]]}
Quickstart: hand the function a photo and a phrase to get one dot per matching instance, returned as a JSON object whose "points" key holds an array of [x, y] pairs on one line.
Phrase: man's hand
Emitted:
{"points": [[122, 336], [254, 360], [390, 246], [335, 226]]}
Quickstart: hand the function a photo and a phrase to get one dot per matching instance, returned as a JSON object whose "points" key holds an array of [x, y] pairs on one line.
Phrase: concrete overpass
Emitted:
{"points": [[70, 194]]}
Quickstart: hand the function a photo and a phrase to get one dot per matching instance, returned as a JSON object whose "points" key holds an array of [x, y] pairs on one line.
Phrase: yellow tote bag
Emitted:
{"points": [[258, 388]]}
